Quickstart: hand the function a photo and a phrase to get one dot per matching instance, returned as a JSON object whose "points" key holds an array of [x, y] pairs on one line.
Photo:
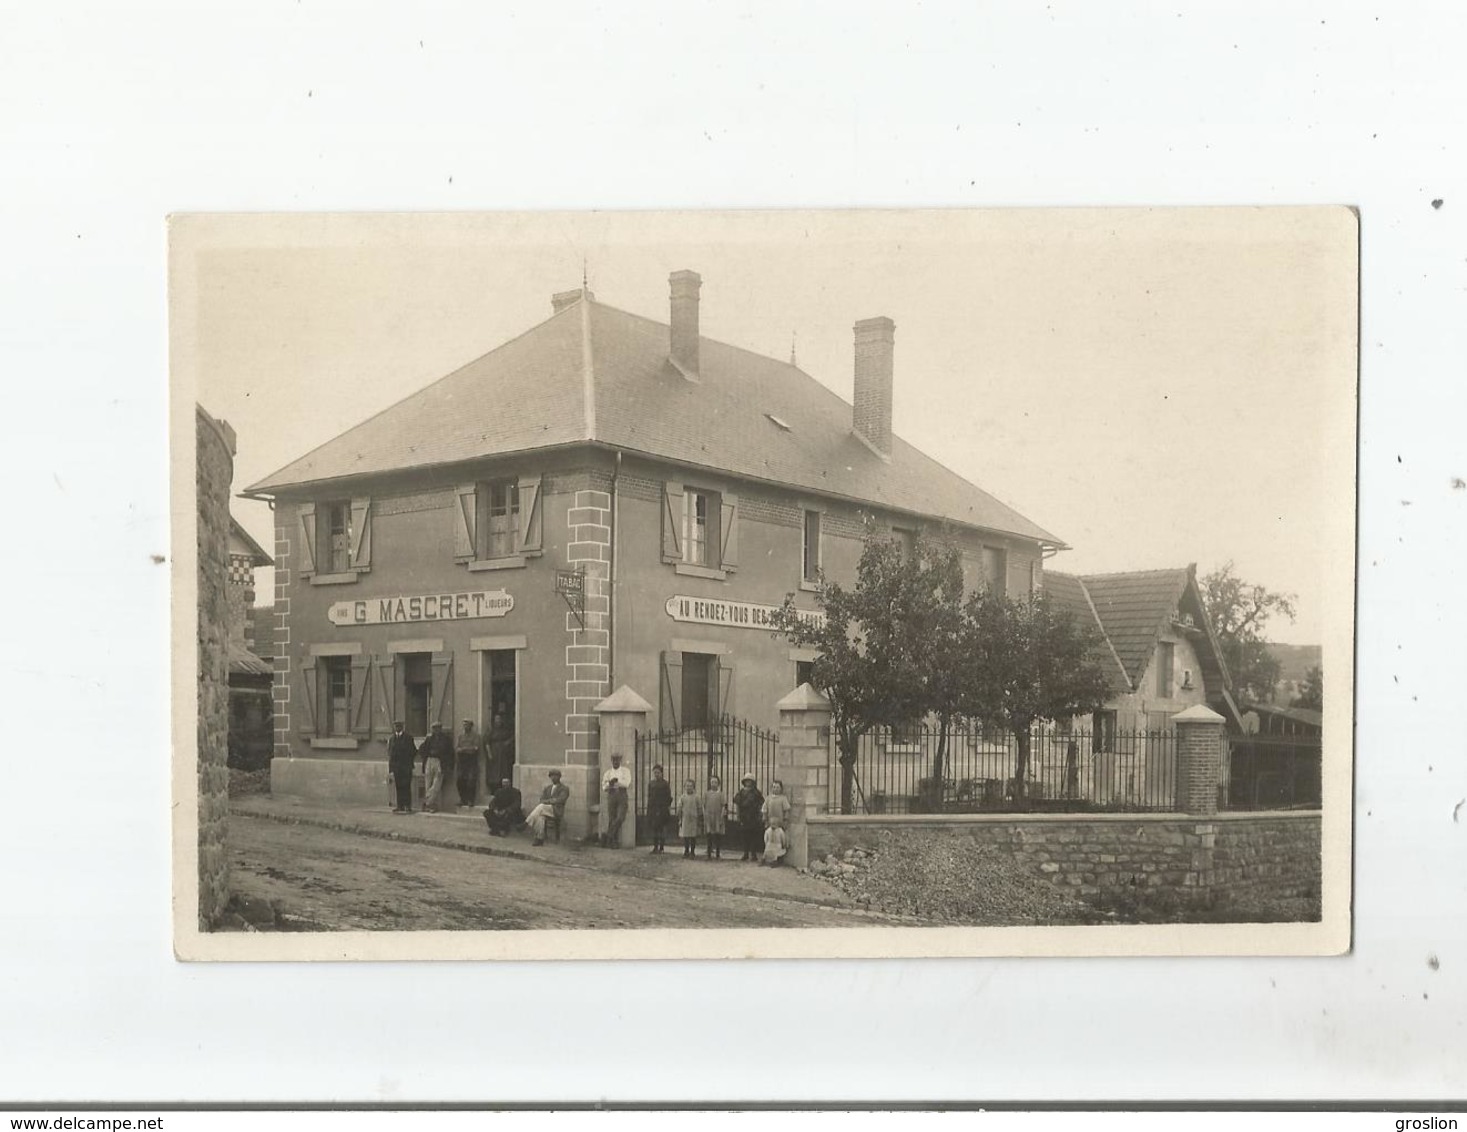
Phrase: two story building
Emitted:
{"points": [[605, 500]]}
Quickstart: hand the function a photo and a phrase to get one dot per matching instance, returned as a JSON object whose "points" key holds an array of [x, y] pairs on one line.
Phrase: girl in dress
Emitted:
{"points": [[689, 809], [749, 805], [776, 806], [714, 805]]}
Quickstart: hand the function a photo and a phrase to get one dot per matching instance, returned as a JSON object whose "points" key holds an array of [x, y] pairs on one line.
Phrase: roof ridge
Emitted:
{"points": [[408, 397], [1134, 573]]}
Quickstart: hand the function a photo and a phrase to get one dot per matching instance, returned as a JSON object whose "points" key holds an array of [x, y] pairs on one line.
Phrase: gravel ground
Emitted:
{"points": [[950, 881]]}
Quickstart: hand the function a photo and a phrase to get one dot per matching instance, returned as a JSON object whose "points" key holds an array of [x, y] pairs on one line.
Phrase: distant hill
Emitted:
{"points": [[1294, 662]]}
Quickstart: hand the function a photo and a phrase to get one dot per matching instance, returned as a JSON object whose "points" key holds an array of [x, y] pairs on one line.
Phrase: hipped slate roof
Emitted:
{"points": [[1131, 610], [595, 374]]}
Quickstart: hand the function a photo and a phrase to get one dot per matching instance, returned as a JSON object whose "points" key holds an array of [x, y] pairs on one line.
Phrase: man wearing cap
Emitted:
{"points": [[437, 750], [552, 805], [505, 810], [614, 786], [468, 747], [401, 751]]}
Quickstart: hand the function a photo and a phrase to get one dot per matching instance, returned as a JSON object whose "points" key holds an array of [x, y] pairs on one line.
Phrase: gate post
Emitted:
{"points": [[803, 763], [1199, 759], [623, 714]]}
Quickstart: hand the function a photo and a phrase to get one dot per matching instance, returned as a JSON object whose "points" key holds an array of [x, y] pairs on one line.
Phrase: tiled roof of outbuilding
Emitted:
{"points": [[1068, 592], [595, 374], [1133, 608]]}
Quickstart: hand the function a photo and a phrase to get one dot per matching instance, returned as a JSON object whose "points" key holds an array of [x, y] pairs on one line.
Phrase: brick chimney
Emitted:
{"points": [[562, 299], [872, 416], [684, 345]]}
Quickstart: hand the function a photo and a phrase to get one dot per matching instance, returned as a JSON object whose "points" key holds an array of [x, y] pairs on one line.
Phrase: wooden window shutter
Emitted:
{"points": [[306, 535], [465, 521], [670, 702], [728, 538], [309, 693], [723, 674], [532, 529], [361, 533], [386, 666], [361, 697], [441, 708], [672, 523]]}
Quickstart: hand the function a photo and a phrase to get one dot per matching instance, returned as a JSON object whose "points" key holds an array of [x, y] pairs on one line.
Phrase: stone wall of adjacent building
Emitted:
{"points": [[215, 470], [1277, 854]]}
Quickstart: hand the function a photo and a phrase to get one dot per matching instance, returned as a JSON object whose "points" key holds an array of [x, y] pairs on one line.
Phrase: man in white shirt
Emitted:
{"points": [[614, 786]]}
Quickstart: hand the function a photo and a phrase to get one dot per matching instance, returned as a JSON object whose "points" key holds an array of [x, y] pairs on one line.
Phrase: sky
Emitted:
{"points": [[1155, 387]]}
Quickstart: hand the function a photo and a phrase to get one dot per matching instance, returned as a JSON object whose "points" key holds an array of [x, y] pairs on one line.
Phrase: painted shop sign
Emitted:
{"points": [[736, 614], [421, 607]]}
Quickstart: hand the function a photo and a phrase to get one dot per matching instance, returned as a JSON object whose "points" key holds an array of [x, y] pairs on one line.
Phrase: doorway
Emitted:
{"points": [[501, 709]]}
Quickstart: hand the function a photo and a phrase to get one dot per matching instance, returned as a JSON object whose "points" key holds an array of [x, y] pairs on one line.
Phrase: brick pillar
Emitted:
{"points": [[623, 714], [1199, 759], [803, 763]]}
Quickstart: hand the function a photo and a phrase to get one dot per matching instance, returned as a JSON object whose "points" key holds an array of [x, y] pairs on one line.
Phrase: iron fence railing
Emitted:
{"points": [[969, 768], [729, 748]]}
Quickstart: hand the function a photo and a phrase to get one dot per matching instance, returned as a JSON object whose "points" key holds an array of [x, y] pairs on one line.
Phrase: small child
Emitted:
{"points": [[776, 844], [689, 808], [714, 817], [777, 805]]}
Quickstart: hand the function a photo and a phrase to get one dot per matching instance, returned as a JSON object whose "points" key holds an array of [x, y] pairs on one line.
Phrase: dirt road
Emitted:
{"points": [[326, 880]]}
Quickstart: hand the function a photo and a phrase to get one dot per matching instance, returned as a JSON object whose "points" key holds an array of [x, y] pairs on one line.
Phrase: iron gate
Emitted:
{"points": [[729, 748]]}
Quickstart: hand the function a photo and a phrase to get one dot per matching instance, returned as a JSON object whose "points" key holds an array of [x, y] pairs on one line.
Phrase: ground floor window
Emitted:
{"points": [[1103, 732], [698, 672], [336, 709], [804, 673]]}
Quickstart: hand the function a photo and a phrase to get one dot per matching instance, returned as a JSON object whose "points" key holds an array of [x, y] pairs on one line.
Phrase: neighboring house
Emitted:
{"points": [[1160, 657], [250, 677], [685, 486]]}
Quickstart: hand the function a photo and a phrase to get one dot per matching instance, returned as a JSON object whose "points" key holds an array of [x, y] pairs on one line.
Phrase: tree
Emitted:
{"points": [[1311, 691], [1239, 612], [1025, 660], [882, 642]]}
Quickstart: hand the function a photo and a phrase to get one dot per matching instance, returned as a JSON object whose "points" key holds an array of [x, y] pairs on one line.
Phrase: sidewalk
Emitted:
{"points": [[466, 832]]}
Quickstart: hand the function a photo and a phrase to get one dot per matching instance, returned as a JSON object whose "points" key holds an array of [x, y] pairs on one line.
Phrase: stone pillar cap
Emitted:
{"points": [[624, 699], [1198, 713], [804, 698]]}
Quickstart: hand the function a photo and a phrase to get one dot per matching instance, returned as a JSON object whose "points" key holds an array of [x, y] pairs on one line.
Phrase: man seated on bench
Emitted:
{"points": [[506, 810], [552, 805]]}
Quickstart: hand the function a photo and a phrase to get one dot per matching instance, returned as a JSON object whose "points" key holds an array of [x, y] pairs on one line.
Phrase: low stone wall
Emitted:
{"points": [[1277, 853]]}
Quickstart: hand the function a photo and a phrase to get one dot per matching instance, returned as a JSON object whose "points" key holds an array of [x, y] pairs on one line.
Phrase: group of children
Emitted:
{"points": [[761, 821]]}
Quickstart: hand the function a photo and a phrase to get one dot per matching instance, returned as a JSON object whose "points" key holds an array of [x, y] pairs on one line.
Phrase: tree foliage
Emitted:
{"points": [[882, 639], [1025, 660], [1239, 612], [1311, 690], [902, 644]]}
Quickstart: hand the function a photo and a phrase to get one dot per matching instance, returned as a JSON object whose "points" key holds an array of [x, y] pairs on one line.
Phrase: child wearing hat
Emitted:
{"points": [[659, 808], [749, 805]]}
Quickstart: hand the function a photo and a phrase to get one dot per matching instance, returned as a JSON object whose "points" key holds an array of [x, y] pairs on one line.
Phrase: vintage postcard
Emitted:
{"points": [[763, 584]]}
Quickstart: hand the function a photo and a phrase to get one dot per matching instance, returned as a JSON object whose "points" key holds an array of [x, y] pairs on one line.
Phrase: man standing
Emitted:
{"points": [[505, 810], [437, 750], [614, 786], [552, 805], [467, 749], [501, 745], [401, 750]]}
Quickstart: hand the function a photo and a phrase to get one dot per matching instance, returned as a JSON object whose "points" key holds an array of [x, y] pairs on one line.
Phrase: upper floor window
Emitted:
{"points": [[698, 508], [810, 555], [996, 569], [499, 518], [906, 537], [497, 522], [1166, 655], [334, 539], [700, 529]]}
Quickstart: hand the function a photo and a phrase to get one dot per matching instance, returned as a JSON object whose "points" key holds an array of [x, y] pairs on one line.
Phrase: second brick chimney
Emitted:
{"points": [[875, 339], [683, 348]]}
